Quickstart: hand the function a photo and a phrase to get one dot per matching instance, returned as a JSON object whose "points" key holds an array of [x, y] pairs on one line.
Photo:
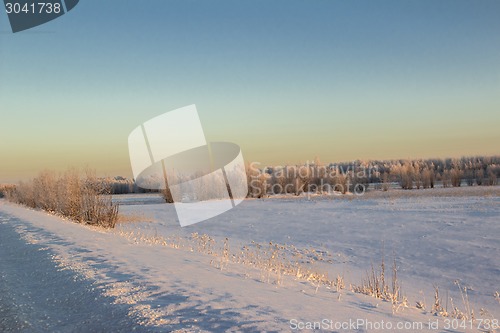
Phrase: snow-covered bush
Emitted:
{"points": [[83, 199]]}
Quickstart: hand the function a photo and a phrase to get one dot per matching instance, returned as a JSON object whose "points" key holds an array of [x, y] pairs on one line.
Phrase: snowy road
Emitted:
{"points": [[36, 296]]}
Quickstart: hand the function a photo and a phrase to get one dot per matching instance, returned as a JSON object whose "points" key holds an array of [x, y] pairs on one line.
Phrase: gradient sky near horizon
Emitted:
{"points": [[286, 80]]}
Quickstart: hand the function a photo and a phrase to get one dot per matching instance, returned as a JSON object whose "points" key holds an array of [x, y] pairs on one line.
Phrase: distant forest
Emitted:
{"points": [[357, 176]]}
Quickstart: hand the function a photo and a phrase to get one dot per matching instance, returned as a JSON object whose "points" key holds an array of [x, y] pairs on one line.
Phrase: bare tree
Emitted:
{"points": [[426, 178], [469, 177], [385, 181], [257, 182], [456, 177], [446, 178], [492, 177], [479, 175]]}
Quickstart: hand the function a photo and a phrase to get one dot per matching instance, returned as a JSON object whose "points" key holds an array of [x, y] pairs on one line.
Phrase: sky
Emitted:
{"points": [[288, 81]]}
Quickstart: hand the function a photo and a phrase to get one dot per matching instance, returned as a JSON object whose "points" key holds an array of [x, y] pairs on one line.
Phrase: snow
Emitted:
{"points": [[437, 237]]}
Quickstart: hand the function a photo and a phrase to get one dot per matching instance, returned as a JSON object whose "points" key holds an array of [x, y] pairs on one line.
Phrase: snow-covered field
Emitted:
{"points": [[169, 278]]}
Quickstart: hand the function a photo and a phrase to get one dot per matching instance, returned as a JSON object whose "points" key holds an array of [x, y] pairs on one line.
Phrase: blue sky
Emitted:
{"points": [[287, 80]]}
